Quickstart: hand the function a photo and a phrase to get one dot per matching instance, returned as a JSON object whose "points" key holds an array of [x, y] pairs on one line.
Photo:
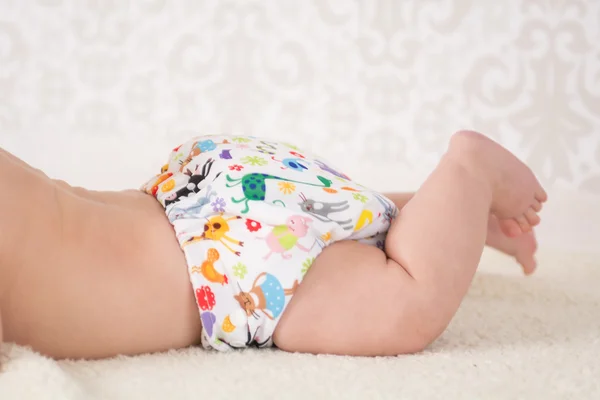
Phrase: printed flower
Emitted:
{"points": [[205, 298], [294, 153], [254, 160], [253, 225], [218, 205], [177, 156], [287, 187], [241, 140], [326, 237], [240, 270], [236, 167], [360, 197], [306, 265]]}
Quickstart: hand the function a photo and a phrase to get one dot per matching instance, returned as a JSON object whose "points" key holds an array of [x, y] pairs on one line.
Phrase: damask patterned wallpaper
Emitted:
{"points": [[380, 83]]}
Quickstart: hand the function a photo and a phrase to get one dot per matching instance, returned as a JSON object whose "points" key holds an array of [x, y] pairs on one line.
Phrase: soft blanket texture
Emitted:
{"points": [[514, 337]]}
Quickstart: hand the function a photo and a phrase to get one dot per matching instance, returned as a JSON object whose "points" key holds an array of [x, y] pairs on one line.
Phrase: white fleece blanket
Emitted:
{"points": [[514, 337]]}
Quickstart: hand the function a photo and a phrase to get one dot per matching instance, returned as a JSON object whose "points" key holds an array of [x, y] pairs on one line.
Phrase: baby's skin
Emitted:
{"points": [[88, 274]]}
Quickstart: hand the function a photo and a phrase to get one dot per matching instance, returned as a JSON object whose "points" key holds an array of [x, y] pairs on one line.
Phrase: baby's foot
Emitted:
{"points": [[517, 196], [522, 247]]}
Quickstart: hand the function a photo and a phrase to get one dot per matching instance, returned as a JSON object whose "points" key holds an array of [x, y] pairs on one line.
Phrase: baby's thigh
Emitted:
{"points": [[348, 303]]}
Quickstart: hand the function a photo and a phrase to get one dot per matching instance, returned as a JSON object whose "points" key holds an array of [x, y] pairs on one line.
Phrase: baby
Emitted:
{"points": [[241, 241]]}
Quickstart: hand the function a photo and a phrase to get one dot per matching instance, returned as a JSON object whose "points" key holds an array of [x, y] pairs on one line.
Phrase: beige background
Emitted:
{"points": [[364, 80], [108, 87]]}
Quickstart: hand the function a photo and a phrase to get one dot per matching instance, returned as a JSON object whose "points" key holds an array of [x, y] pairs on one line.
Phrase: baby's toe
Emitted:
{"points": [[532, 217], [526, 253], [523, 223], [529, 265], [541, 195], [536, 206], [510, 227]]}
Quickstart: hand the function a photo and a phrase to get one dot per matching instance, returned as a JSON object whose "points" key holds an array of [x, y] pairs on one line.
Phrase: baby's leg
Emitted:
{"points": [[356, 300], [522, 247]]}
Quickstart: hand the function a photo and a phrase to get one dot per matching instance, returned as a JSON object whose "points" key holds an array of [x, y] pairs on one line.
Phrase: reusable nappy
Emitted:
{"points": [[251, 216]]}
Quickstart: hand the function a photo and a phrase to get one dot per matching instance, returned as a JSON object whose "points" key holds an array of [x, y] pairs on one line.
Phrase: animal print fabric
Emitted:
{"points": [[251, 217]]}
